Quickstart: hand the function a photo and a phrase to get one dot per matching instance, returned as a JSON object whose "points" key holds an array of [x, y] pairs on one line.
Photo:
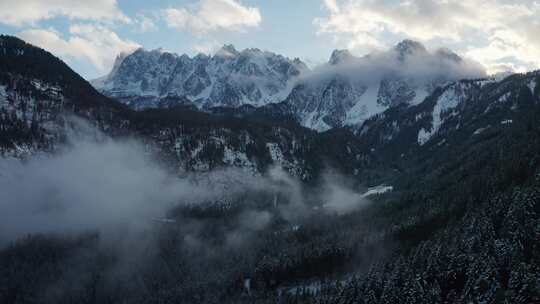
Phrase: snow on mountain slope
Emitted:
{"points": [[348, 90], [345, 91], [228, 78], [454, 114], [43, 104], [450, 99]]}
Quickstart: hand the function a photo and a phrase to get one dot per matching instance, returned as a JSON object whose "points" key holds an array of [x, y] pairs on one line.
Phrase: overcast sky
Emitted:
{"points": [[500, 34]]}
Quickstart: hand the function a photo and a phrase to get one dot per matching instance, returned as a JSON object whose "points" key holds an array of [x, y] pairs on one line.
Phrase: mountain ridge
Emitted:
{"points": [[453, 219], [34, 100], [229, 77], [364, 85]]}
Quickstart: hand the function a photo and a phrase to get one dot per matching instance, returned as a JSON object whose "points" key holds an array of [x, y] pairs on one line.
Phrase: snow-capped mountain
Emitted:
{"points": [[456, 114], [455, 175], [348, 89], [345, 91], [37, 103], [228, 78]]}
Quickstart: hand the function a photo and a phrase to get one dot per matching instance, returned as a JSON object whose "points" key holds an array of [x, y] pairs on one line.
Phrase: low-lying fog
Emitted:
{"points": [[95, 183]]}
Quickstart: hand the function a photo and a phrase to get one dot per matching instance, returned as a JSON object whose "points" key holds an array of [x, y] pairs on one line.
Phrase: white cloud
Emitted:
{"points": [[145, 23], [93, 43], [332, 5], [420, 66], [207, 47], [494, 32], [24, 12], [213, 15]]}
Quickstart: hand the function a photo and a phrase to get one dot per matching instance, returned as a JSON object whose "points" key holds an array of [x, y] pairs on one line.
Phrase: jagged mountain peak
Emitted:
{"points": [[228, 78], [345, 91], [409, 47], [340, 56], [475, 240], [227, 50], [198, 57], [337, 94], [255, 51], [448, 54], [119, 59], [153, 52], [39, 93]]}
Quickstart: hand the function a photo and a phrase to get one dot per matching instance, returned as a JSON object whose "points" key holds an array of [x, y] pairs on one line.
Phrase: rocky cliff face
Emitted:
{"points": [[348, 90], [39, 94], [345, 91], [229, 78]]}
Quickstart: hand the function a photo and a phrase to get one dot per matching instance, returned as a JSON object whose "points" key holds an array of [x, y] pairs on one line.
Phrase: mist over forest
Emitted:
{"points": [[397, 171]]}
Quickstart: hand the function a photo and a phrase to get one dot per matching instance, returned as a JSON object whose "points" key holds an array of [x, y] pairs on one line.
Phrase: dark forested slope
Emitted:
{"points": [[461, 226]]}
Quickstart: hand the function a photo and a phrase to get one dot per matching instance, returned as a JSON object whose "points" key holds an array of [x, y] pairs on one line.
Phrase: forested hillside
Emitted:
{"points": [[430, 203]]}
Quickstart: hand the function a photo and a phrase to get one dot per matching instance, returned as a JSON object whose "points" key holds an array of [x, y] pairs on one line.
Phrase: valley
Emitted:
{"points": [[316, 187]]}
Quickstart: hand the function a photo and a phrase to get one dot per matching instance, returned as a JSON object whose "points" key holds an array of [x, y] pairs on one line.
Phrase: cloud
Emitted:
{"points": [[145, 23], [493, 32], [90, 186], [19, 13], [207, 47], [114, 186], [98, 184], [338, 196], [213, 15], [420, 67], [93, 43], [342, 200]]}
